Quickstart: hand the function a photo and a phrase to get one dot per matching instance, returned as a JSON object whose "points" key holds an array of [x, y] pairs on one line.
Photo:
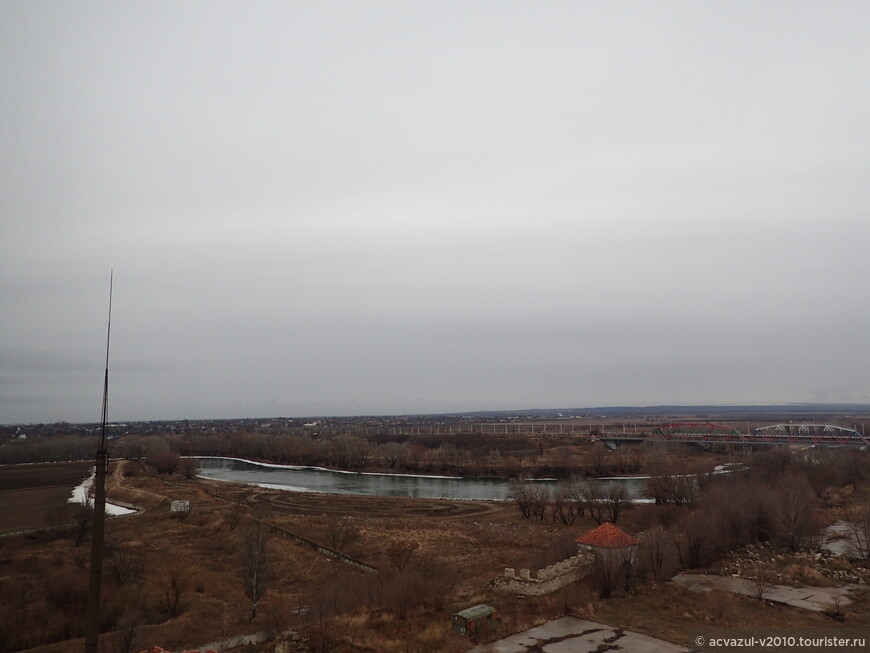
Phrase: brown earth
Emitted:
{"points": [[28, 493], [466, 543], [13, 477]]}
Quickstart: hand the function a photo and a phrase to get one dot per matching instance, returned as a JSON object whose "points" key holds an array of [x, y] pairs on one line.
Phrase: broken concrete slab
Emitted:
{"points": [[572, 635], [817, 599]]}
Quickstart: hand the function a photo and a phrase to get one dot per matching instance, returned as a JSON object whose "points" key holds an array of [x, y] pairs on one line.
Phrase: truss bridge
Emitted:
{"points": [[708, 433]]}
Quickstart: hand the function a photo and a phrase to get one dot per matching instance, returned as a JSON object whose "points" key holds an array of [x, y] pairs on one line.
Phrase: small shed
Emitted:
{"points": [[475, 620], [180, 506]]}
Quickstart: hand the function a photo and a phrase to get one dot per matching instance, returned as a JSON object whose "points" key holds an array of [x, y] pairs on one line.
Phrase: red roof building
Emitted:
{"points": [[607, 536]]}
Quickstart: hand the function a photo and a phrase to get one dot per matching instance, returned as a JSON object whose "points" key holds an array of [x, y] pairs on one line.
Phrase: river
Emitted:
{"points": [[316, 479]]}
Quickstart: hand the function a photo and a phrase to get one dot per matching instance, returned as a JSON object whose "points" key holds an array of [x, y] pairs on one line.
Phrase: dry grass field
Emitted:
{"points": [[28, 493], [178, 580]]}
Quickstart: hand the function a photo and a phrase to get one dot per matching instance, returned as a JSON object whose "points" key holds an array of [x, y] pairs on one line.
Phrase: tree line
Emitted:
{"points": [[778, 498]]}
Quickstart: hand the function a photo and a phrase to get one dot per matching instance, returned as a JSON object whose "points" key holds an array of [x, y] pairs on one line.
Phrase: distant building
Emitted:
{"points": [[180, 506]]}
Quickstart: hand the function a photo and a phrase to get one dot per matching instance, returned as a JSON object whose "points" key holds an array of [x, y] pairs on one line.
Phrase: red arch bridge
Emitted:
{"points": [[707, 433]]}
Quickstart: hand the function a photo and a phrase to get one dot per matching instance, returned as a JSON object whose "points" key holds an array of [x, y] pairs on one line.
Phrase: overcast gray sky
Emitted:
{"points": [[328, 208]]}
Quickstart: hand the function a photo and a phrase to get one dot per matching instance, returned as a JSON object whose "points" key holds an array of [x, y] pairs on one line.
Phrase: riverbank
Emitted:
{"points": [[433, 556]]}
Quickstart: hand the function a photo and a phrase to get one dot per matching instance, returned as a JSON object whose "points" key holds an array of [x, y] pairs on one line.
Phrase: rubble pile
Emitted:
{"points": [[822, 568]]}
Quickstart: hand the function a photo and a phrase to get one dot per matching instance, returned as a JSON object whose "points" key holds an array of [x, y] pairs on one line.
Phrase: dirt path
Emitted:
{"points": [[312, 503]]}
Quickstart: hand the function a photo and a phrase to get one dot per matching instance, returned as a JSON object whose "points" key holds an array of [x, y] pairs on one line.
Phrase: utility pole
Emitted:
{"points": [[92, 618]]}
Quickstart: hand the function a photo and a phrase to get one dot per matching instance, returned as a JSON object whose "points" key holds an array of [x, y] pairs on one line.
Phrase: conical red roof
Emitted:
{"points": [[608, 536]]}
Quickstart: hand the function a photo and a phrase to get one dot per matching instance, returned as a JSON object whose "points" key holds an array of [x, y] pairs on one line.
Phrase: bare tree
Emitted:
{"points": [[391, 453], [540, 499], [615, 501], [593, 500], [566, 507], [792, 509], [680, 489], [133, 448], [858, 517], [521, 493], [697, 543], [165, 462], [189, 467], [654, 551], [604, 502], [255, 564], [612, 569], [83, 518]]}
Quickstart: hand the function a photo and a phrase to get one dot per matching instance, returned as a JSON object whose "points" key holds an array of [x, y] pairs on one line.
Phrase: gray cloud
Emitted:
{"points": [[335, 208]]}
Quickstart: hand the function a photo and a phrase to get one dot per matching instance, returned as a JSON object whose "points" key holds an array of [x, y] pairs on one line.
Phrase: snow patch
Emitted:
{"points": [[80, 495]]}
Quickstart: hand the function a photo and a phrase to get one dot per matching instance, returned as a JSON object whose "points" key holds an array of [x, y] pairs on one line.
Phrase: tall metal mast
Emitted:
{"points": [[92, 618]]}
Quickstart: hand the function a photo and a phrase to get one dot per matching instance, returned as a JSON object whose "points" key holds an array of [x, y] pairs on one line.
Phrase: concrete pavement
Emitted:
{"points": [[571, 635], [817, 599]]}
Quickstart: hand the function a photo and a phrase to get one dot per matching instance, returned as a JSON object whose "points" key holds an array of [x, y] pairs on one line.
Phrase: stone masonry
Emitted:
{"points": [[546, 580]]}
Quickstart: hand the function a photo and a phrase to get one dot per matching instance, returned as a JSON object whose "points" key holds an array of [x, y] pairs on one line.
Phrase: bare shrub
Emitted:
{"points": [[175, 581], [400, 554], [836, 613], [56, 523], [66, 595], [124, 563], [342, 533], [761, 579], [770, 464], [127, 626], [720, 604], [233, 516], [423, 585]]}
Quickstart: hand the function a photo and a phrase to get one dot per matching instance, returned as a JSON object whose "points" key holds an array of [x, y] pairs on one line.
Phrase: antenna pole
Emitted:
{"points": [[92, 623]]}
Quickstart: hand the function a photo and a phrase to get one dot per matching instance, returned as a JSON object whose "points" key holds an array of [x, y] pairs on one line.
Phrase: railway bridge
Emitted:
{"points": [[825, 435]]}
